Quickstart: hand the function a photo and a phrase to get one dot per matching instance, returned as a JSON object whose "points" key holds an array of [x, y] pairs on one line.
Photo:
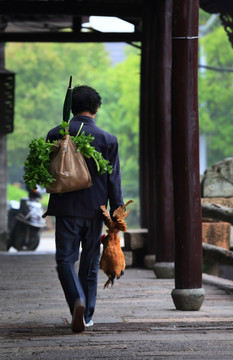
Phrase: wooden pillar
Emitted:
{"points": [[147, 127], [188, 294], [156, 186], [165, 236], [3, 172]]}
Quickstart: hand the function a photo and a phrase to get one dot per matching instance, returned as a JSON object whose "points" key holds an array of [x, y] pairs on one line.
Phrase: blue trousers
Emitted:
{"points": [[71, 232]]}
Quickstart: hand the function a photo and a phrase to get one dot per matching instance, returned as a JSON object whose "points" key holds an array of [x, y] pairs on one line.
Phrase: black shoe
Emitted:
{"points": [[78, 322]]}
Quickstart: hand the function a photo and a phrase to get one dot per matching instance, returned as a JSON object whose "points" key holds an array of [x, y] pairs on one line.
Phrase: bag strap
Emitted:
{"points": [[81, 126]]}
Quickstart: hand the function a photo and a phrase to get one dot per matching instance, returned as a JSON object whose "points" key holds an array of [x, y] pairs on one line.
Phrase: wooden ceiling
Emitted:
{"points": [[35, 20], [46, 20]]}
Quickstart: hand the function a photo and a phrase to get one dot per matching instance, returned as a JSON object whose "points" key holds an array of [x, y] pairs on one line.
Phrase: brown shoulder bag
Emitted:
{"points": [[68, 167]]}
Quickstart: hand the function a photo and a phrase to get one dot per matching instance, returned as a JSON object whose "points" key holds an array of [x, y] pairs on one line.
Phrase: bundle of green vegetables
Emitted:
{"points": [[38, 160]]}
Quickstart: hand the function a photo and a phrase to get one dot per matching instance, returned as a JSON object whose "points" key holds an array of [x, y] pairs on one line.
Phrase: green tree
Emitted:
{"points": [[215, 95]]}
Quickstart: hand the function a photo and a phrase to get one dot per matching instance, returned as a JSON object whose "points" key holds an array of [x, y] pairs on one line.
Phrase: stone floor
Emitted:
{"points": [[134, 319]]}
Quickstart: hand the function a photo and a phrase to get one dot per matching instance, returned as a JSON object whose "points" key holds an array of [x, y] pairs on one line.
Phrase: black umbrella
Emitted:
{"points": [[67, 102]]}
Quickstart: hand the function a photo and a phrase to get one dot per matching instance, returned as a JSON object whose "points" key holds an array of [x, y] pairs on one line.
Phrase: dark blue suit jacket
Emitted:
{"points": [[86, 203]]}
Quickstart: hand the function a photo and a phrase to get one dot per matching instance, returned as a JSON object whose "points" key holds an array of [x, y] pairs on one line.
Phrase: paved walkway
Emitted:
{"points": [[135, 319]]}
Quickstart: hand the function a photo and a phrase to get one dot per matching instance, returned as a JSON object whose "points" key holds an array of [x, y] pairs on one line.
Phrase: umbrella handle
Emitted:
{"points": [[70, 83]]}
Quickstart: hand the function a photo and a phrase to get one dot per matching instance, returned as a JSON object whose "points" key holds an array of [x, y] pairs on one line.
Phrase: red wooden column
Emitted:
{"points": [[165, 236], [147, 127], [188, 293], [156, 185], [3, 166]]}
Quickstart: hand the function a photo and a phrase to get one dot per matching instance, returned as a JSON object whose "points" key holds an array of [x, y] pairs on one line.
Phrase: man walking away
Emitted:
{"points": [[78, 216]]}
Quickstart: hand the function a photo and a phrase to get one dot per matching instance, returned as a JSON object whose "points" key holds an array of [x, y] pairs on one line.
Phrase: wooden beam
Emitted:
{"points": [[217, 254], [104, 8], [61, 37], [217, 212]]}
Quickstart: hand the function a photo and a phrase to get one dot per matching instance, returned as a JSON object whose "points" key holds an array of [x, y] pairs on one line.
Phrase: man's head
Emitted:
{"points": [[85, 99]]}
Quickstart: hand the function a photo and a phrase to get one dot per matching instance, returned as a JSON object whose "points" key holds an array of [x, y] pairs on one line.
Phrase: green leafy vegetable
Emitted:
{"points": [[38, 161], [83, 145], [37, 164]]}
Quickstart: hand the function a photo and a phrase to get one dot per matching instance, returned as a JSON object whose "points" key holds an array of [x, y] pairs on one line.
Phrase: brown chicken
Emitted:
{"points": [[112, 260]]}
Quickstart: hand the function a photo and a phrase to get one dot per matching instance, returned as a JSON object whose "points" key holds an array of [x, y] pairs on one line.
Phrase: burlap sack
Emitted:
{"points": [[68, 167]]}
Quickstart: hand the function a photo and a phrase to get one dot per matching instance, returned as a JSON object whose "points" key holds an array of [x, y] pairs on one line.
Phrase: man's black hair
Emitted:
{"points": [[85, 98]]}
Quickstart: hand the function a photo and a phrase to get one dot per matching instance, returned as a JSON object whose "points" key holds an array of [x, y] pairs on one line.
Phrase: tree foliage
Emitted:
{"points": [[216, 95]]}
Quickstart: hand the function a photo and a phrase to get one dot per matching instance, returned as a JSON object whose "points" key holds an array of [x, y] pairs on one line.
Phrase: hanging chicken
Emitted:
{"points": [[112, 260]]}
